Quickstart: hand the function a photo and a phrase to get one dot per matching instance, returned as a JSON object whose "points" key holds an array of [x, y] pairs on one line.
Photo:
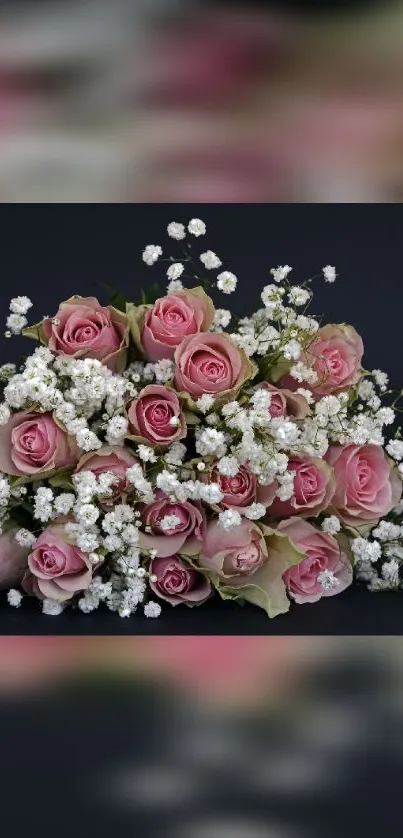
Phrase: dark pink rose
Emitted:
{"points": [[314, 487], [243, 489], [31, 443], [83, 328], [113, 459], [336, 356], [367, 484], [60, 568], [156, 416], [322, 553], [160, 329], [13, 559], [211, 363], [186, 536], [177, 582]]}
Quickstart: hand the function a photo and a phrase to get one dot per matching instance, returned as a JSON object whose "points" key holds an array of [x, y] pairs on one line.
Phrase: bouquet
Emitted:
{"points": [[164, 450]]}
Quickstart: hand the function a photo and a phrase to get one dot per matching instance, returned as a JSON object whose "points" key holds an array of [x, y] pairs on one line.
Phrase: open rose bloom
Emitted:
{"points": [[172, 451]]}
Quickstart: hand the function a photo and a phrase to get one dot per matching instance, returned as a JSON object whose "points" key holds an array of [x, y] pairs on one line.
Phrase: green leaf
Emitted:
{"points": [[149, 296], [115, 297]]}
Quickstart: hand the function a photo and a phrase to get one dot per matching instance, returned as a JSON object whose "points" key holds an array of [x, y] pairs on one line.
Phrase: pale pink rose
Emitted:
{"points": [[314, 487], [152, 414], [322, 553], [13, 559], [170, 320], [31, 443], [211, 363], [113, 459], [248, 563], [60, 568], [185, 537], [284, 402], [336, 356], [82, 328], [177, 582], [367, 484], [243, 489]]}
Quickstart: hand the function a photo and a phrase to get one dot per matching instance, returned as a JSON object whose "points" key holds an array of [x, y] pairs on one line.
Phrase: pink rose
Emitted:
{"points": [[248, 563], [31, 443], [156, 416], [157, 331], [113, 459], [211, 363], [185, 536], [83, 328], [13, 559], [336, 355], [321, 553], [284, 402], [243, 489], [314, 487], [177, 582], [60, 568], [367, 485]]}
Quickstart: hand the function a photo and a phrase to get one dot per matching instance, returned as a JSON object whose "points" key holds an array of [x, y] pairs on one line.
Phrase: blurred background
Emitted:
{"points": [[201, 737], [185, 100]]}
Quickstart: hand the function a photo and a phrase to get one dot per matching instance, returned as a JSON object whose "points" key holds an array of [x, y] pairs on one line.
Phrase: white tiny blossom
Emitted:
{"points": [[271, 296], [52, 608], [381, 378], [331, 525], [14, 598], [228, 466], [152, 253], [64, 503], [229, 519], [329, 273], [298, 296], [169, 522], [280, 273], [20, 305], [176, 454], [176, 230], [255, 511], [210, 442], [164, 370], [226, 282], [210, 260], [5, 414], [87, 440], [117, 430], [222, 318], [87, 514], [328, 580], [205, 402], [366, 550], [197, 227], [387, 531], [395, 449], [292, 350], [306, 394], [390, 571], [16, 323], [25, 538], [175, 270], [152, 609], [174, 286], [146, 454]]}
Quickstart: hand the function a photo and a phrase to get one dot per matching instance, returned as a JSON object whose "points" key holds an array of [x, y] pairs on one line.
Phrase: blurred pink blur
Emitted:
{"points": [[174, 101]]}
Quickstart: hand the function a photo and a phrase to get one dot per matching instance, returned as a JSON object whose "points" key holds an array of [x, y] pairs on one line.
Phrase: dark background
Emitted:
{"points": [[52, 252]]}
